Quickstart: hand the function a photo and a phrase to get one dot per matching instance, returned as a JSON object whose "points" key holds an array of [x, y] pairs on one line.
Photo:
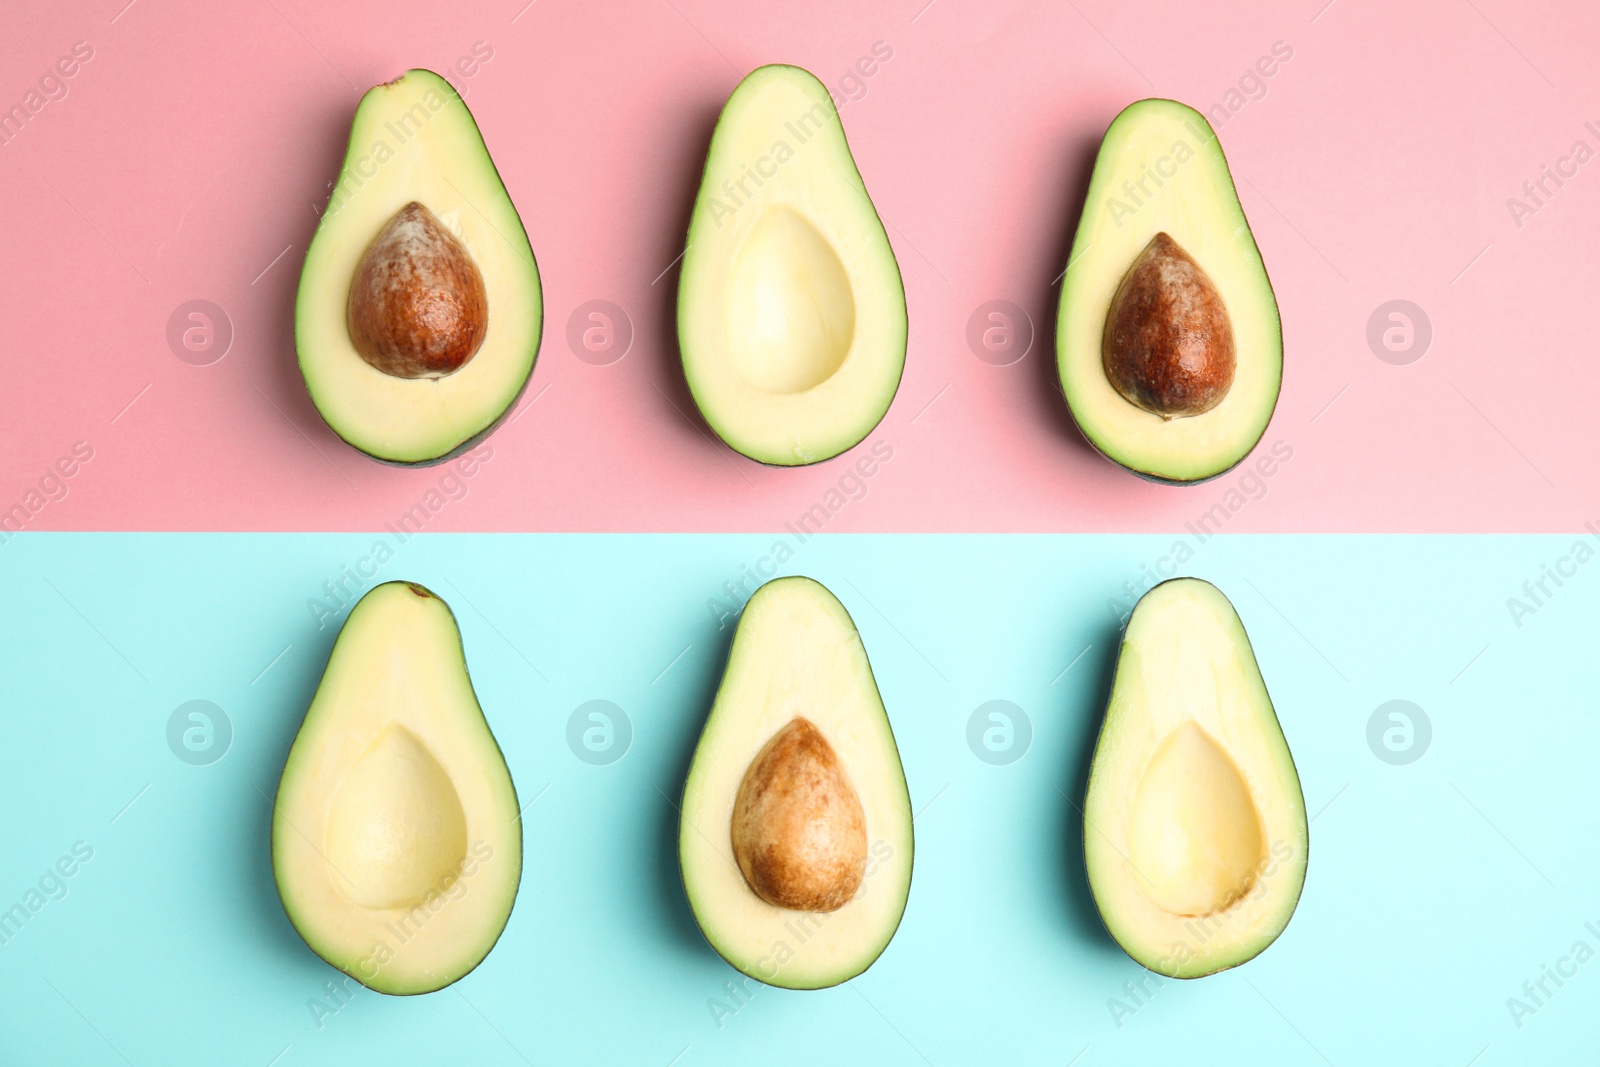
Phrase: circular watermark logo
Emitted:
{"points": [[199, 332], [599, 732], [199, 733], [1399, 732], [599, 333], [1000, 333], [1399, 332], [999, 732]]}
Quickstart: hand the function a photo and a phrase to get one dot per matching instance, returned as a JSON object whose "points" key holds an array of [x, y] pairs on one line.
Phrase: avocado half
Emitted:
{"points": [[791, 312], [1161, 171], [1195, 835], [413, 141], [396, 834], [796, 658]]}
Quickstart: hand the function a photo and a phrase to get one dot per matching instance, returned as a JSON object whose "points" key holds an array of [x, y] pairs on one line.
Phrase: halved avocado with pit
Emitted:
{"points": [[795, 837], [1168, 342], [419, 311]]}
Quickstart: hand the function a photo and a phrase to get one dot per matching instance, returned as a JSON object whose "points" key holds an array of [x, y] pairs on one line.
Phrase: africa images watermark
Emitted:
{"points": [[51, 487], [736, 191], [1153, 176], [52, 885], [801, 128], [853, 86], [401, 129], [354, 578], [1251, 85], [1137, 192], [851, 486], [403, 928], [1537, 191], [52, 87], [1200, 930], [1536, 992], [1248, 488], [1538, 591], [801, 927]]}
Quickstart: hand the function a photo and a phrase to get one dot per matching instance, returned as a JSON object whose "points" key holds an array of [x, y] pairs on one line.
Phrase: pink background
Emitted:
{"points": [[198, 142]]}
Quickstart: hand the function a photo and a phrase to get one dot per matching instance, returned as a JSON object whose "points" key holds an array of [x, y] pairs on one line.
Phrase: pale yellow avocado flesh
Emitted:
{"points": [[791, 312], [396, 842], [1195, 831], [796, 653], [1161, 170], [414, 139]]}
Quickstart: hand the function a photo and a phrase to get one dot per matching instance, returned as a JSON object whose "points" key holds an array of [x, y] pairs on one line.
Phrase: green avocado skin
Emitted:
{"points": [[287, 780], [1067, 309], [699, 231], [305, 344], [1107, 923], [741, 656], [465, 446]]}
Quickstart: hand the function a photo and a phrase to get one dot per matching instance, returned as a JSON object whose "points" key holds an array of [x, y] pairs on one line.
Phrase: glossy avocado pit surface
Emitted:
{"points": [[1168, 343], [417, 306], [419, 311]]}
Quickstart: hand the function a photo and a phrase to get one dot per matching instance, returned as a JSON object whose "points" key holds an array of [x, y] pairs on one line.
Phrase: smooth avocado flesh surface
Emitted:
{"points": [[795, 841], [396, 843], [419, 311], [1168, 342], [791, 313], [1194, 825]]}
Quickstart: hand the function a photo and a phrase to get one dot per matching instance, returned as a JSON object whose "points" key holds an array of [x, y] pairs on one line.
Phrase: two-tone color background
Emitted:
{"points": [[191, 532]]}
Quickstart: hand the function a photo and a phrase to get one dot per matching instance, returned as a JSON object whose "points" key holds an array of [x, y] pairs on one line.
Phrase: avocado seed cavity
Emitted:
{"points": [[1194, 832]]}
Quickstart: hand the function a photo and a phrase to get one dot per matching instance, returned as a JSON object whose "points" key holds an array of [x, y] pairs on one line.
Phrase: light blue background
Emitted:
{"points": [[1435, 889]]}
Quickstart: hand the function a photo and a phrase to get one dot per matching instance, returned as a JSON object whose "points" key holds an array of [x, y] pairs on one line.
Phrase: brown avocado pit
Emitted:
{"points": [[418, 307], [1168, 343], [799, 831]]}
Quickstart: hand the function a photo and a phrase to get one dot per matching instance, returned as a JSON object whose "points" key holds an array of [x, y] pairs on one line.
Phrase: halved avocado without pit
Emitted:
{"points": [[1168, 342], [419, 311], [791, 312], [1195, 833], [396, 838], [795, 838]]}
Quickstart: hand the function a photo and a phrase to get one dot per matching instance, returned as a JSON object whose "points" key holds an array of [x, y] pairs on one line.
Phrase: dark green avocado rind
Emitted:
{"points": [[860, 187], [478, 436], [272, 824], [1105, 449], [1158, 479], [466, 446], [911, 833], [1084, 839]]}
